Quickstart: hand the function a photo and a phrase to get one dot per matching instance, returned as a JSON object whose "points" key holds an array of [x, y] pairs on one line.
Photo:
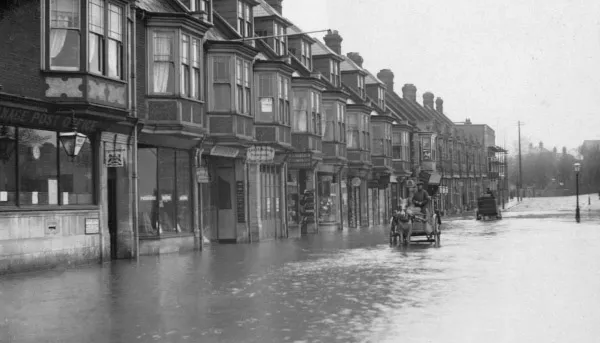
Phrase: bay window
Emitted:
{"points": [[245, 20], [169, 47], [284, 100], [300, 120], [378, 140], [268, 84], [64, 41], [341, 112], [365, 143], [397, 145], [317, 127], [39, 172], [242, 81], [353, 131]]}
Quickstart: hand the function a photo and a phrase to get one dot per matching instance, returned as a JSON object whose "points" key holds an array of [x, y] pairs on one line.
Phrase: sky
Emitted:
{"points": [[495, 62]]}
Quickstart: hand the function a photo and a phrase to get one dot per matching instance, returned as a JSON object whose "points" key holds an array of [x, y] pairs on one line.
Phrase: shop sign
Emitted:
{"points": [[21, 116], [266, 105], [202, 175], [356, 182], [224, 151], [373, 183], [92, 226], [240, 196], [114, 158], [260, 154], [300, 160]]}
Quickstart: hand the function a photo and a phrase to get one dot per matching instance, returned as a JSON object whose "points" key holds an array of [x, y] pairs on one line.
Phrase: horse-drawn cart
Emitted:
{"points": [[487, 208], [408, 222]]}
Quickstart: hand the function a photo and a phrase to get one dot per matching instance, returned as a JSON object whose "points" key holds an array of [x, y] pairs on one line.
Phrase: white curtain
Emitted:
{"points": [[93, 44], [162, 64], [57, 41], [113, 58]]}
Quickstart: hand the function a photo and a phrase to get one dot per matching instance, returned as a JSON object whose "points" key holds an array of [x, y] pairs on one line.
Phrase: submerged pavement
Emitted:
{"points": [[532, 277]]}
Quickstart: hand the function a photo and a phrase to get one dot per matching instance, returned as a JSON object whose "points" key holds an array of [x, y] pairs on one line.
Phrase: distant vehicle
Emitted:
{"points": [[487, 208]]}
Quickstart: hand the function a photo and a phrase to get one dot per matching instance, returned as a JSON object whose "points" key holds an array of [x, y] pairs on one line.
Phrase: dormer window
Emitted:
{"points": [[305, 54], [280, 40], [245, 20], [361, 85], [381, 97], [334, 72], [200, 6]]}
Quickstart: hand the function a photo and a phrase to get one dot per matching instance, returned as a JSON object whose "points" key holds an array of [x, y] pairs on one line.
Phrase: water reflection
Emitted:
{"points": [[483, 284]]}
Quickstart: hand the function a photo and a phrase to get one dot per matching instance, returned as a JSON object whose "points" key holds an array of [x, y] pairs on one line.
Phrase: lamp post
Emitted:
{"points": [[577, 167]]}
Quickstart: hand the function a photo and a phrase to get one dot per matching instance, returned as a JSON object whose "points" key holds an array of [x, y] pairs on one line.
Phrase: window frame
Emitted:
{"points": [[279, 39], [245, 19], [177, 58], [334, 72], [306, 53], [94, 151]]}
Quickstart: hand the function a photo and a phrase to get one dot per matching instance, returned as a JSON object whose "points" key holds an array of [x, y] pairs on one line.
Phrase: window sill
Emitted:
{"points": [[173, 97], [82, 73], [48, 208]]}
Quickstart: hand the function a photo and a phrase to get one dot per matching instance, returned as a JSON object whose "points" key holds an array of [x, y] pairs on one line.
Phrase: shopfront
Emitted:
{"points": [[302, 194], [329, 192]]}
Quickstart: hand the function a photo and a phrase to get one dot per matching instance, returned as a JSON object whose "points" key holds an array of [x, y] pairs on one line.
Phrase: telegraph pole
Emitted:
{"points": [[520, 196]]}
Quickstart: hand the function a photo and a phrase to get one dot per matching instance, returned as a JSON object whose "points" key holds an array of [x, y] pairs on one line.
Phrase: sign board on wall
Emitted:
{"points": [[260, 154], [266, 105], [240, 196], [202, 175], [114, 158], [92, 226], [224, 151], [300, 160]]}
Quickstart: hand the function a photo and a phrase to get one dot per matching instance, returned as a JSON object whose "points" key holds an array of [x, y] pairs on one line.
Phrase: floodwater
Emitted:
{"points": [[533, 276]]}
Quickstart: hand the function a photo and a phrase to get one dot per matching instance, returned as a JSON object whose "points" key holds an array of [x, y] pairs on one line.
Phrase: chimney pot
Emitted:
{"points": [[409, 92], [334, 41], [356, 58], [387, 76], [428, 100], [439, 105], [277, 5]]}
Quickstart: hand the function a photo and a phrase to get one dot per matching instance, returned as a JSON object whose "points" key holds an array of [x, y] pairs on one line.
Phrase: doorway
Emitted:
{"points": [[225, 183], [112, 211]]}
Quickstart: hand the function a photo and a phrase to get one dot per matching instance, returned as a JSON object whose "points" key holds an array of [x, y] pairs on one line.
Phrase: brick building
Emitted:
{"points": [[202, 121]]}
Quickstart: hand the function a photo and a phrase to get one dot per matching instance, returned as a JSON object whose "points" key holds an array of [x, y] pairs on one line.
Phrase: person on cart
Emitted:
{"points": [[421, 198]]}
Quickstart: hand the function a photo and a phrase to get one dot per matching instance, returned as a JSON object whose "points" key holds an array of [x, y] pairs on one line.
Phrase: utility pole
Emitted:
{"points": [[520, 196]]}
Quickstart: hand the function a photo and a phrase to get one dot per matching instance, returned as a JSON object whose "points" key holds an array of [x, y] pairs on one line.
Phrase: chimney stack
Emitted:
{"points": [[276, 4], [387, 76], [439, 105], [409, 92], [334, 41], [356, 58], [428, 100]]}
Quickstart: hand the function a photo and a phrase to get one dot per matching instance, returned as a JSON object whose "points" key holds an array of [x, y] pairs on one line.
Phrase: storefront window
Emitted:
{"points": [[8, 172], [167, 210], [329, 202], [44, 174], [293, 197]]}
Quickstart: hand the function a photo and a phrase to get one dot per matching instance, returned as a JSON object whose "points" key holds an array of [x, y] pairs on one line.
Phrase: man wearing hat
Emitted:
{"points": [[421, 198]]}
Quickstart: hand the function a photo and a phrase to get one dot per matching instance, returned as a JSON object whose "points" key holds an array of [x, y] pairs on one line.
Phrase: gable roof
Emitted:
{"points": [[349, 65], [263, 10], [320, 49], [372, 79]]}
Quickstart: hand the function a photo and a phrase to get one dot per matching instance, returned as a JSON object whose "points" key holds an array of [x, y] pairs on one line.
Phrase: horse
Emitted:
{"points": [[401, 223]]}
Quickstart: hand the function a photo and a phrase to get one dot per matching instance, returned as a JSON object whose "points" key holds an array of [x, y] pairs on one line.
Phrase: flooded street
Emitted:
{"points": [[532, 277]]}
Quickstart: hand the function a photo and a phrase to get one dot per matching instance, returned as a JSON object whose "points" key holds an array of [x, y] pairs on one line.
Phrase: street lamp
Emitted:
{"points": [[577, 167], [72, 141]]}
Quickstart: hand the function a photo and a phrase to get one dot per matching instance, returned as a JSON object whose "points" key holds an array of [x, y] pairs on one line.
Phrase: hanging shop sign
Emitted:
{"points": [[356, 182], [224, 151], [260, 154], [114, 157], [300, 160], [240, 203], [410, 183], [202, 175]]}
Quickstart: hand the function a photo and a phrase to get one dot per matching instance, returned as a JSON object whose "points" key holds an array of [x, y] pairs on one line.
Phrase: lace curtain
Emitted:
{"points": [[162, 62]]}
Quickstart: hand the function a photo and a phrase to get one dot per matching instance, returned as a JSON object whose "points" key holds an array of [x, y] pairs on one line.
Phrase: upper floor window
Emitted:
{"points": [[273, 99], [358, 133], [280, 40], [341, 112], [243, 90], [361, 85], [382, 140], [334, 72], [335, 127], [317, 123], [199, 5], [245, 20], [381, 97], [169, 49], [306, 54], [65, 35], [400, 146]]}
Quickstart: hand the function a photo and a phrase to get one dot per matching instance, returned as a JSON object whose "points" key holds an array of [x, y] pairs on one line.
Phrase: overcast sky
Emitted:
{"points": [[496, 62]]}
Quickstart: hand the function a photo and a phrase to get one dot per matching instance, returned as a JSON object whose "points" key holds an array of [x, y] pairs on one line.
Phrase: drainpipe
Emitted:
{"points": [[134, 148]]}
